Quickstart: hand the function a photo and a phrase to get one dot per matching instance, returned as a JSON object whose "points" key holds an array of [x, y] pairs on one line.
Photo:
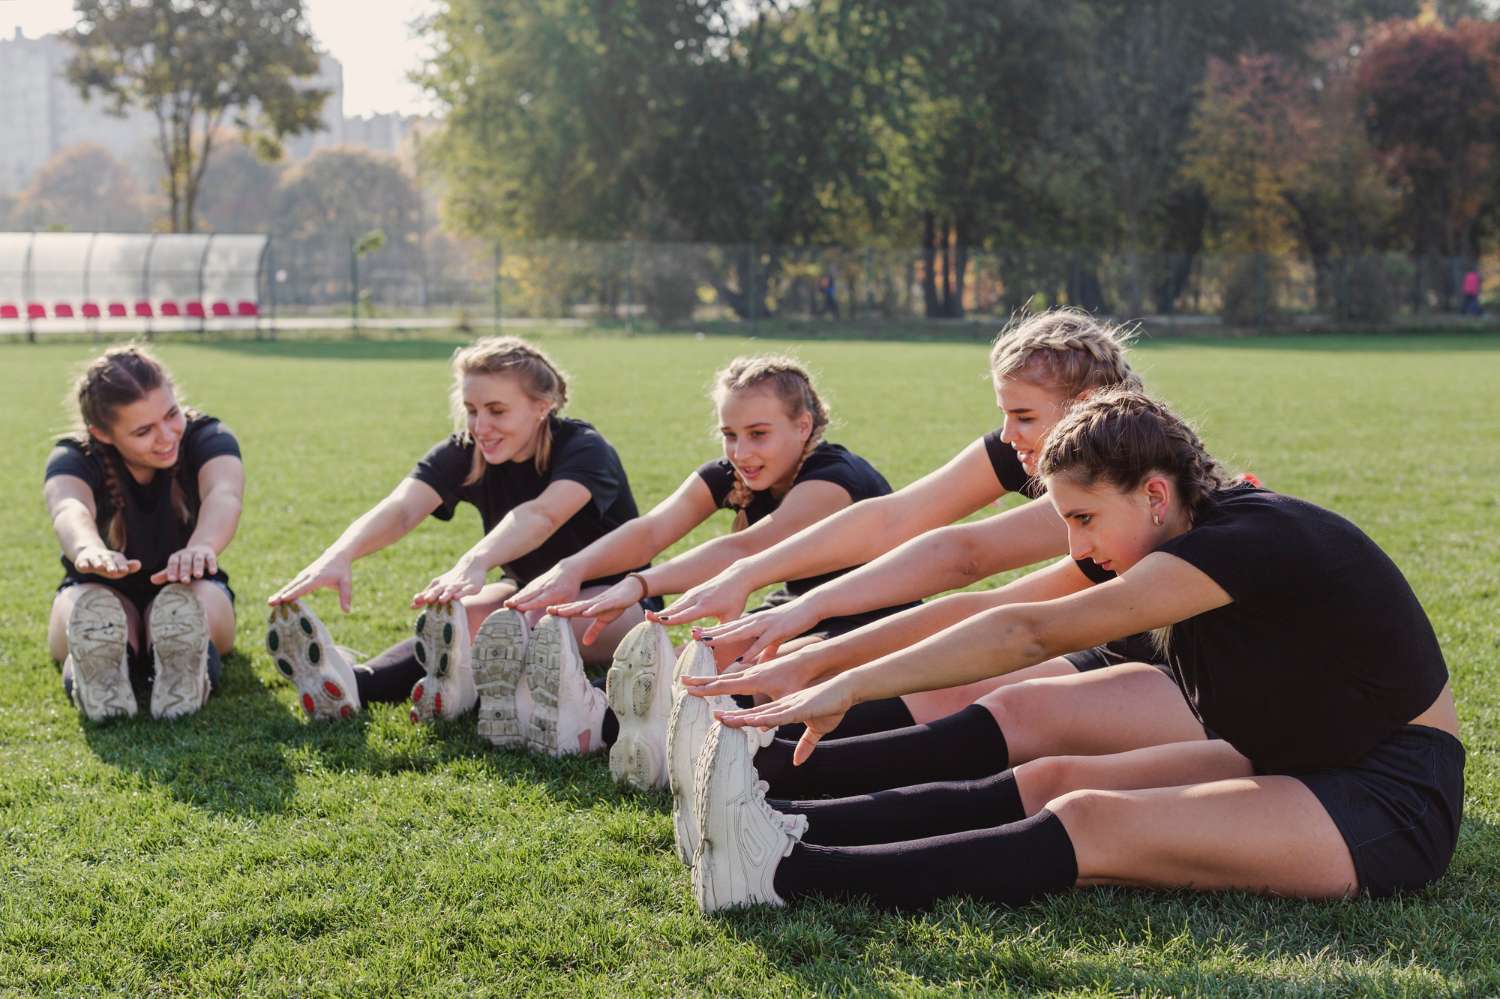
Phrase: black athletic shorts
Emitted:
{"points": [[832, 627], [1133, 649], [141, 600], [1398, 808]]}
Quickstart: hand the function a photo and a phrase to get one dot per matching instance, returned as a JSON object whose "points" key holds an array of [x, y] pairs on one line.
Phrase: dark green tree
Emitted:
{"points": [[197, 66]]}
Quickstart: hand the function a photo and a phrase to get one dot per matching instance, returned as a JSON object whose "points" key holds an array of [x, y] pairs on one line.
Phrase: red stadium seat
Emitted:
{"points": [[221, 309], [143, 309], [63, 311], [170, 309], [195, 309], [248, 309], [9, 312], [36, 310], [90, 310], [117, 310]]}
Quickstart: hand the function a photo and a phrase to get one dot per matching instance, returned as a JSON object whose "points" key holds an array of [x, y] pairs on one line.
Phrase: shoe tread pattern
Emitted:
{"points": [[437, 651], [98, 641], [299, 656], [179, 643], [499, 659], [629, 686], [543, 679]]}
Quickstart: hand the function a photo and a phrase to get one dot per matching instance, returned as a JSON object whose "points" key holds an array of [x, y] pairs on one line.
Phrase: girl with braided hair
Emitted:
{"points": [[144, 497], [1339, 770], [545, 485], [778, 474]]}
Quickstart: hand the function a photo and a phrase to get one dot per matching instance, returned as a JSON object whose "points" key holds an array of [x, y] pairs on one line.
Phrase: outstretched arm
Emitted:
{"points": [[1161, 590], [70, 501], [863, 532], [387, 522], [221, 492], [632, 544], [817, 662], [948, 558]]}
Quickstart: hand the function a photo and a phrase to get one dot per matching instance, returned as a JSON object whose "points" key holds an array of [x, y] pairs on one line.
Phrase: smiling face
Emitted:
{"points": [[502, 418], [1031, 411], [147, 433], [1117, 528], [762, 442]]}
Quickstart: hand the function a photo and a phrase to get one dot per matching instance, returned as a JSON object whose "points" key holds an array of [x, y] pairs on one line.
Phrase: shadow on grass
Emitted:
{"points": [[1128, 941], [243, 753]]}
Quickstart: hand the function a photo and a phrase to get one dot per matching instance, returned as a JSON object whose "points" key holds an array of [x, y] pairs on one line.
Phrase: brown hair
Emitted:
{"points": [[121, 376], [789, 381], [540, 379], [1122, 437], [1064, 348]]}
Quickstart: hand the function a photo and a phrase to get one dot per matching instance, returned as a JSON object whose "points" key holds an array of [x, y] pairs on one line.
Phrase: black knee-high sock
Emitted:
{"points": [[964, 746], [1011, 865], [864, 718], [609, 732], [388, 677], [918, 812], [215, 667]]}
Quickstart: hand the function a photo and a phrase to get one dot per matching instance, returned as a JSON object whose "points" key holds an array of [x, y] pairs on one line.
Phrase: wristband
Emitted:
{"points": [[645, 586]]}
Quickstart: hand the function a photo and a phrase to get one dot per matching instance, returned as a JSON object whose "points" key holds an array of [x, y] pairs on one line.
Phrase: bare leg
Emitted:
{"points": [[603, 648], [930, 705], [62, 608], [1108, 710], [488, 600]]}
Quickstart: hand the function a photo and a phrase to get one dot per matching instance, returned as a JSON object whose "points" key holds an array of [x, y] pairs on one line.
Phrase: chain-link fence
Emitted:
{"points": [[671, 284]]}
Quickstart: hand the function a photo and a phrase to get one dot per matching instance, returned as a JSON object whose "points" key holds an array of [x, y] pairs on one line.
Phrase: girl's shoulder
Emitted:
{"points": [[835, 463]]}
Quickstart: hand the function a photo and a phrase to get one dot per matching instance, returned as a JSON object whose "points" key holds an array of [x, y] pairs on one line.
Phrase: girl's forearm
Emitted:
{"points": [[383, 525], [893, 633], [627, 547], [76, 530], [218, 519], [519, 532], [692, 567]]}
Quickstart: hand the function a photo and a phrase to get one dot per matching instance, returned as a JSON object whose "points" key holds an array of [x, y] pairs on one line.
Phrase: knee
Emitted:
{"points": [[1013, 704], [1084, 808], [1046, 779]]}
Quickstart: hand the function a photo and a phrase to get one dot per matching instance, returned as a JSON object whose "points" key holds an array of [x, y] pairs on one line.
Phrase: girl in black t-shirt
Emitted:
{"points": [[1289, 632], [144, 498], [778, 475], [545, 486]]}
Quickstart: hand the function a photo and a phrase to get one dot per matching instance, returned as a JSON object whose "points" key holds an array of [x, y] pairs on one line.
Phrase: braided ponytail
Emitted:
{"points": [[1064, 348], [121, 376], [790, 382]]}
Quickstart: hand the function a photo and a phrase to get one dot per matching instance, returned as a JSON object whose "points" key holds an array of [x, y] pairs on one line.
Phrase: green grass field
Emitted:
{"points": [[245, 851]]}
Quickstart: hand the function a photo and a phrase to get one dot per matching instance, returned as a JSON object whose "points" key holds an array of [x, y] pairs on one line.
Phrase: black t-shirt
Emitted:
{"points": [[579, 454], [153, 533], [1325, 650], [827, 463], [1008, 468]]}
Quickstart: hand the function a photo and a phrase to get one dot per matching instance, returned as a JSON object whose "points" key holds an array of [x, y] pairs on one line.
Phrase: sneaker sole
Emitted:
{"points": [[705, 780], [688, 712], [179, 646], [630, 689], [543, 679], [499, 658], [298, 655], [99, 642], [437, 652]]}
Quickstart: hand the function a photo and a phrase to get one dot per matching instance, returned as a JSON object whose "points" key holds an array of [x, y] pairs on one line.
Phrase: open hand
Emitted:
{"points": [[328, 570], [820, 708], [463, 580], [106, 563], [193, 562]]}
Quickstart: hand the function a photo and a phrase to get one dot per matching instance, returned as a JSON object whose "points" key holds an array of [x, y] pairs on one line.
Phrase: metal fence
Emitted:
{"points": [[325, 281]]}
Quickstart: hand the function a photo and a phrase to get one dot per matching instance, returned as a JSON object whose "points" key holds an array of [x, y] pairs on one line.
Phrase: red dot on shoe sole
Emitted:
{"points": [[346, 711], [413, 716], [307, 704], [416, 694], [437, 704], [332, 688]]}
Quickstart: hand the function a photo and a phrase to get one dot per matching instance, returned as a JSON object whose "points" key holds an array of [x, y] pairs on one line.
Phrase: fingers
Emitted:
{"points": [[805, 746], [762, 644], [595, 629], [573, 609], [346, 592]]}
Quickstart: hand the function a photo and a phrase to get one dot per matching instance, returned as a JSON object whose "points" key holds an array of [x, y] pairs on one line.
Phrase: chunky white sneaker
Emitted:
{"points": [[687, 726], [304, 653], [741, 838], [499, 662], [179, 648], [565, 704], [99, 645], [639, 689], [447, 691]]}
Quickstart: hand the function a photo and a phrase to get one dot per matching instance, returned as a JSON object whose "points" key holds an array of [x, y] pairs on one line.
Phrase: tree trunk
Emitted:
{"points": [[1133, 264], [960, 266], [929, 268], [947, 269]]}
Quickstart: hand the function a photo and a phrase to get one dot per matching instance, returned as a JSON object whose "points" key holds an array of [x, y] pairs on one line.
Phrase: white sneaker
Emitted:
{"points": [[499, 662], [687, 726], [566, 705], [179, 648], [304, 653], [99, 645], [639, 688], [741, 838], [447, 691]]}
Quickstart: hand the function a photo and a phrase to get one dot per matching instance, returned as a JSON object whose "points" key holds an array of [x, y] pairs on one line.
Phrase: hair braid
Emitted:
{"points": [[790, 382], [1065, 348]]}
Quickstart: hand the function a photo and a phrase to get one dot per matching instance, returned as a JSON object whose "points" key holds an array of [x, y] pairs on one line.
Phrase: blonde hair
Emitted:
{"points": [[1067, 349], [540, 379], [120, 376], [790, 382]]}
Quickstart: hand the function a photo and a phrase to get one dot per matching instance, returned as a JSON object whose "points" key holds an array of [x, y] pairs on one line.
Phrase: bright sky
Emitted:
{"points": [[372, 38]]}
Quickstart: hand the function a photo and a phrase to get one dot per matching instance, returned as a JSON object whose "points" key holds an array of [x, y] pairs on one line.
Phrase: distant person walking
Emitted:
{"points": [[1471, 293], [828, 288]]}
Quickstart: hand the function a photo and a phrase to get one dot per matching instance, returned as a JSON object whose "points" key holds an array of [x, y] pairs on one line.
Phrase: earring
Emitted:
{"points": [[1156, 517]]}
